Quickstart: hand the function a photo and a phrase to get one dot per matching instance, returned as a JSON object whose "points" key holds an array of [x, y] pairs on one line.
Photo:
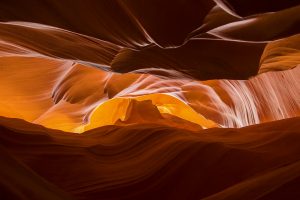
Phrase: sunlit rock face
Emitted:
{"points": [[140, 81], [75, 97]]}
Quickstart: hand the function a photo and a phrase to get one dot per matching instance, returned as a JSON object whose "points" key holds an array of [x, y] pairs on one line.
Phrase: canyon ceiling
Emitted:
{"points": [[150, 99]]}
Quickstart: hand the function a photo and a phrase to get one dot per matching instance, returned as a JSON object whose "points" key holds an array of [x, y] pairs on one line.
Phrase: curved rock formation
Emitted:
{"points": [[194, 99], [154, 162], [75, 97]]}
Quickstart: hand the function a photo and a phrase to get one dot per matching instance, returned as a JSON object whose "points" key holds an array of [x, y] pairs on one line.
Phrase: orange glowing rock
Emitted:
{"points": [[181, 99], [74, 97]]}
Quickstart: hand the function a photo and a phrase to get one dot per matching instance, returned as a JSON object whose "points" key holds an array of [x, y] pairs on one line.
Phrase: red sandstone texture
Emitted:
{"points": [[150, 99]]}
